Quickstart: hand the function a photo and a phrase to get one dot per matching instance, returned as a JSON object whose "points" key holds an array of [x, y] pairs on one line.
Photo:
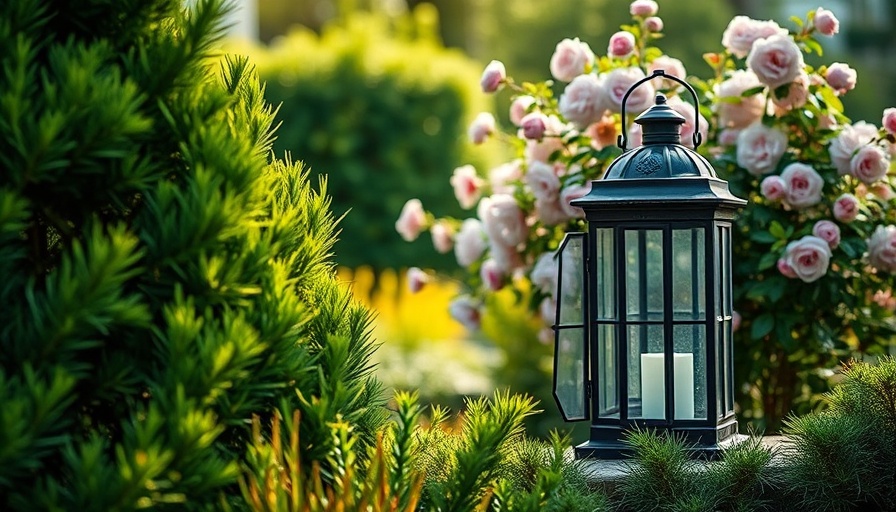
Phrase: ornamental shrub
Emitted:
{"points": [[815, 248], [380, 107], [162, 281]]}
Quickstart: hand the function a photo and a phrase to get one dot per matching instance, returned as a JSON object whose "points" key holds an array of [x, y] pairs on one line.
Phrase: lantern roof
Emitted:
{"points": [[661, 170]]}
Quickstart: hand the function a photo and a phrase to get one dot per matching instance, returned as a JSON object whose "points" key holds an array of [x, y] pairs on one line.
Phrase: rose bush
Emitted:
{"points": [[815, 250]]}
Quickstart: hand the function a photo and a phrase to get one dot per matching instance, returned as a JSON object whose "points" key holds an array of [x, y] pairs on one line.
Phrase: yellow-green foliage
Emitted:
{"points": [[381, 108]]}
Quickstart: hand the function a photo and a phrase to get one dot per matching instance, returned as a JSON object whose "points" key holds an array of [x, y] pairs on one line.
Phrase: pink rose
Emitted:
{"points": [[797, 94], [465, 309], [520, 107], [827, 231], [417, 279], [541, 150], [583, 101], [470, 242], [507, 258], [543, 181], [742, 32], [622, 45], [643, 8], [773, 188], [635, 136], [671, 66], [467, 186], [889, 120], [760, 148], [544, 274], [741, 111], [882, 248], [869, 164], [619, 81], [481, 128], [809, 257], [503, 220], [493, 76], [804, 185], [776, 60], [442, 237], [533, 125], [568, 194], [411, 220], [491, 274], [571, 58], [847, 143], [653, 24], [549, 211], [785, 269], [841, 77], [728, 136], [501, 178], [825, 22], [846, 208], [735, 320]]}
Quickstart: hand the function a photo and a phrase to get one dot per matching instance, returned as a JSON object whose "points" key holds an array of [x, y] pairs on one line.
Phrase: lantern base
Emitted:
{"points": [[616, 450]]}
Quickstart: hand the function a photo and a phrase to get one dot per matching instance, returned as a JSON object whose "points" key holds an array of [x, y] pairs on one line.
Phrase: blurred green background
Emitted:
{"points": [[376, 96]]}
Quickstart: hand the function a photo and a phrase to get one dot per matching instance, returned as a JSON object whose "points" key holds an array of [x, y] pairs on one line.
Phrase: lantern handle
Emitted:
{"points": [[698, 139]]}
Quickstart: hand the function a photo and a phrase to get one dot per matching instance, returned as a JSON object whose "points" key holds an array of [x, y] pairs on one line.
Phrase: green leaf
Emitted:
{"points": [[752, 91], [797, 21], [777, 230], [831, 99], [762, 237], [767, 261], [763, 325]]}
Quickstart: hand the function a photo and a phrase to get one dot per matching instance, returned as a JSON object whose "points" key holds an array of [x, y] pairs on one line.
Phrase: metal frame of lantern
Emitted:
{"points": [[644, 307]]}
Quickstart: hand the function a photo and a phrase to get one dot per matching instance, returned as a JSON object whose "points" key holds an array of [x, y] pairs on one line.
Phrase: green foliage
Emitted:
{"points": [[380, 107], [663, 476], [842, 459], [162, 281]]}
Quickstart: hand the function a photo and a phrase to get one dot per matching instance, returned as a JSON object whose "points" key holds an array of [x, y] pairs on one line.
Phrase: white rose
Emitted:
{"points": [[882, 248], [804, 185], [808, 257], [465, 309], [760, 148], [481, 128], [442, 237], [571, 58], [619, 81], [503, 220], [573, 192], [738, 111], [776, 60], [869, 164], [544, 274], [742, 32], [583, 101], [470, 242], [501, 178], [848, 142], [542, 180]]}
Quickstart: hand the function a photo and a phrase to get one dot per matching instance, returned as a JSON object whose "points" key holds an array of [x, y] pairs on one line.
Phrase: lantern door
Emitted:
{"points": [[571, 382]]}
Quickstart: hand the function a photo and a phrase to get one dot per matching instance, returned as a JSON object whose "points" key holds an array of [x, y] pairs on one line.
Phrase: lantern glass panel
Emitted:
{"points": [[606, 274], [646, 381], [688, 274], [607, 375], [644, 275], [569, 369], [690, 371], [570, 351]]}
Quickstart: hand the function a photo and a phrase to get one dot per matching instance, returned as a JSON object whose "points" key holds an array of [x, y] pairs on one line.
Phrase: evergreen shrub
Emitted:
{"points": [[161, 281]]}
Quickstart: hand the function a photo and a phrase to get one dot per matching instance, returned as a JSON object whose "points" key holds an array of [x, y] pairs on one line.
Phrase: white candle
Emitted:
{"points": [[653, 383]]}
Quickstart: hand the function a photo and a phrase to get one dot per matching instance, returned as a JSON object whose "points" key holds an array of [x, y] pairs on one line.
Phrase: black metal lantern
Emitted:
{"points": [[643, 326]]}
